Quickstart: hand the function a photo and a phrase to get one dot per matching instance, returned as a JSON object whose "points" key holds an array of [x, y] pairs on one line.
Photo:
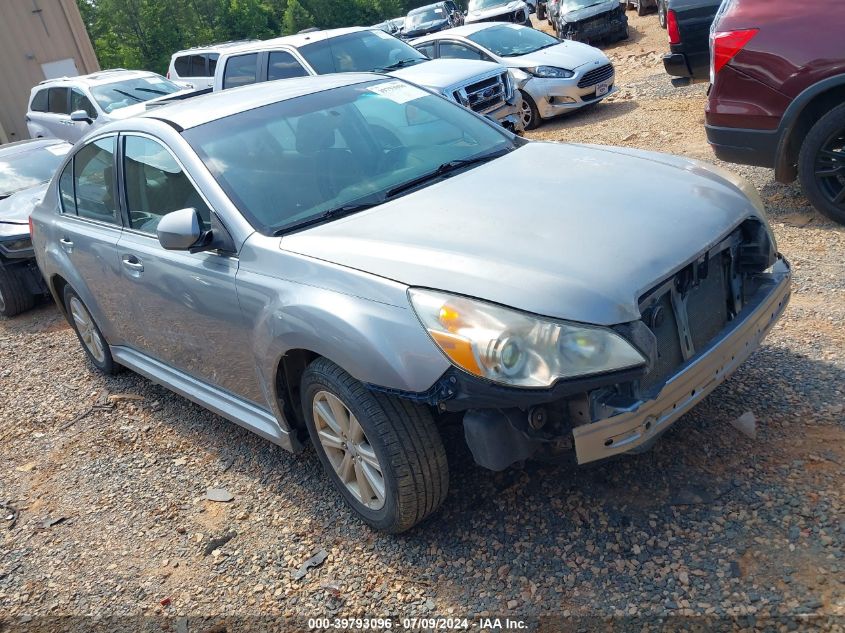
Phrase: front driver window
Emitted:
{"points": [[156, 185]]}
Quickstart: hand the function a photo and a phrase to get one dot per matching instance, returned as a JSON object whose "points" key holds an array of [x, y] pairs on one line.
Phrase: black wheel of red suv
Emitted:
{"points": [[821, 165]]}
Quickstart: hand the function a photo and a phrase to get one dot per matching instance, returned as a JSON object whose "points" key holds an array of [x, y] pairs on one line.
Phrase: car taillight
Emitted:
{"points": [[672, 27], [31, 227], [727, 44], [168, 74]]}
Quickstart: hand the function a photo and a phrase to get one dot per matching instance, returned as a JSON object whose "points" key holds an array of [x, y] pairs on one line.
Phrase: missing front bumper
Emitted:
{"points": [[694, 380]]}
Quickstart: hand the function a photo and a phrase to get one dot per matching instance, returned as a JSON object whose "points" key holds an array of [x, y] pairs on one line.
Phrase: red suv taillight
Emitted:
{"points": [[727, 44], [672, 27]]}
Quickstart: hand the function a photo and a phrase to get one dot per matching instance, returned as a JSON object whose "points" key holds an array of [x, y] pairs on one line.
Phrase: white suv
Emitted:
{"points": [[485, 87], [196, 65], [69, 107]]}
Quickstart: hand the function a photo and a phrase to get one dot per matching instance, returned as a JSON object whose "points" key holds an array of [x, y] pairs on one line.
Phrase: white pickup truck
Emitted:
{"points": [[485, 87]]}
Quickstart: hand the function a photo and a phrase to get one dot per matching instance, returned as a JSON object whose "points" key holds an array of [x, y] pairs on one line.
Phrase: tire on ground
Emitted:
{"points": [[831, 123], [107, 365], [404, 438], [14, 297]]}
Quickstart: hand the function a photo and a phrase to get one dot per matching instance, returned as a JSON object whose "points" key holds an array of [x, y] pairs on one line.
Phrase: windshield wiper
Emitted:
{"points": [[332, 214], [446, 168], [126, 94], [154, 91], [401, 63]]}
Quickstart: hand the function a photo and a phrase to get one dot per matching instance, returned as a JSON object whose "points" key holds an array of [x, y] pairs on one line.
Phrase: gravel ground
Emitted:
{"points": [[109, 477]]}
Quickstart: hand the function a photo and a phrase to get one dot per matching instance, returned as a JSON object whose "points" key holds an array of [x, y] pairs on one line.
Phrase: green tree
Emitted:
{"points": [[296, 17]]}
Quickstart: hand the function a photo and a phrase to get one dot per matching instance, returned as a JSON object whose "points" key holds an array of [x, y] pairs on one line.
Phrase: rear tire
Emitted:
{"points": [[821, 165], [383, 454], [89, 334], [14, 297], [641, 8], [661, 13], [541, 11]]}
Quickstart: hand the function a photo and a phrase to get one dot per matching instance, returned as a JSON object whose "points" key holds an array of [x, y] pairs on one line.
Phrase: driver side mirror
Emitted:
{"points": [[181, 230], [78, 116]]}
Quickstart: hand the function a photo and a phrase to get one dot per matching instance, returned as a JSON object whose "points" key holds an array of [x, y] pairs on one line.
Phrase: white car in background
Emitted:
{"points": [[196, 65], [514, 11], [69, 107], [554, 77], [484, 87]]}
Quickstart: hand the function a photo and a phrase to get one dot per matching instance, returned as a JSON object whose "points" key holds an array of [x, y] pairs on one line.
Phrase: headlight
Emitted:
{"points": [[550, 72], [515, 348]]}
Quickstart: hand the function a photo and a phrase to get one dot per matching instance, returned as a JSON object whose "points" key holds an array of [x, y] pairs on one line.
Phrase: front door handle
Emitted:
{"points": [[132, 264], [66, 244]]}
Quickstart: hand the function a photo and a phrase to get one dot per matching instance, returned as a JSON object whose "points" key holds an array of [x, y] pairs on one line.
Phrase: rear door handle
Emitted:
{"points": [[132, 264], [66, 245]]}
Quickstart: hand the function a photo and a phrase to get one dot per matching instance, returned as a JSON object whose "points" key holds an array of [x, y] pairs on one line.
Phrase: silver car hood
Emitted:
{"points": [[442, 74], [582, 241], [16, 208], [567, 54]]}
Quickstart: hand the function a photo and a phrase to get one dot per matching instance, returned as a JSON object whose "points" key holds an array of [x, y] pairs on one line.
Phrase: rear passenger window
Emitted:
{"points": [[39, 101], [93, 171], [156, 185], [57, 100], [182, 66], [240, 70], [197, 66], [283, 65], [66, 190]]}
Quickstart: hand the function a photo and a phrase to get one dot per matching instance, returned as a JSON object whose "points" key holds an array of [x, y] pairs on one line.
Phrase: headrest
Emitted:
{"points": [[314, 132]]}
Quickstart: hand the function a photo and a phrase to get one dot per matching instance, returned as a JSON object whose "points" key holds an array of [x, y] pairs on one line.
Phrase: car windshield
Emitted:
{"points": [[308, 159], [480, 5], [128, 92], [573, 5], [428, 14], [510, 40], [28, 169], [361, 51]]}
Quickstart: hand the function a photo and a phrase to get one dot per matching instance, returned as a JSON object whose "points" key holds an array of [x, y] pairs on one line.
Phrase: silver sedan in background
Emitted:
{"points": [[554, 76]]}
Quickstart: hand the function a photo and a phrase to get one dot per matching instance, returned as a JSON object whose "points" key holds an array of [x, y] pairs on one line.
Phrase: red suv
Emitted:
{"points": [[778, 93]]}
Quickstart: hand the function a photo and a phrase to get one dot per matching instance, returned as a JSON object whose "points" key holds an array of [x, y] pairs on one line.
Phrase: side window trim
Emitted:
{"points": [[72, 162]]}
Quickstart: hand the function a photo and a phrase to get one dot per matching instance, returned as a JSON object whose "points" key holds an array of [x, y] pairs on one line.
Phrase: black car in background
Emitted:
{"points": [[432, 18], [591, 21], [26, 168], [688, 23]]}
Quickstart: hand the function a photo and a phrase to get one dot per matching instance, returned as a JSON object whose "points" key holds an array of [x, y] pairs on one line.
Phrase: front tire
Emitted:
{"points": [[530, 115], [89, 334], [14, 297], [641, 8], [383, 454], [821, 165]]}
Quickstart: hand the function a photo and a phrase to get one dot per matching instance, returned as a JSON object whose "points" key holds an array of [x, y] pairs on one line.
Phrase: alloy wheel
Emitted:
{"points": [[347, 448], [527, 115], [829, 169], [87, 330]]}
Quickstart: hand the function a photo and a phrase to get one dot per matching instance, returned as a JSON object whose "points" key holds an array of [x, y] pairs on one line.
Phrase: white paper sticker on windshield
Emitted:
{"points": [[58, 150], [154, 80], [398, 91], [381, 34], [516, 27], [438, 10]]}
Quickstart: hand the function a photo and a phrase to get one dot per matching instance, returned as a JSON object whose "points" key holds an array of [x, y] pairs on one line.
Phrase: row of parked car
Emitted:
{"points": [[351, 258]]}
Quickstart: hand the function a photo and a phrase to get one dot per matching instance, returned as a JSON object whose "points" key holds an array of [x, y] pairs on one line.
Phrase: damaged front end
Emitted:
{"points": [[610, 25], [696, 328]]}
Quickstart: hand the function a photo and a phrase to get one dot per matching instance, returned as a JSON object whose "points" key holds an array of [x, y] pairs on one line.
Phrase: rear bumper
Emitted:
{"points": [[744, 146], [676, 65], [644, 422]]}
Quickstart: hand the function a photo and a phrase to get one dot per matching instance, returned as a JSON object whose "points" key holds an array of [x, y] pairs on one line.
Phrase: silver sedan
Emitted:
{"points": [[554, 76]]}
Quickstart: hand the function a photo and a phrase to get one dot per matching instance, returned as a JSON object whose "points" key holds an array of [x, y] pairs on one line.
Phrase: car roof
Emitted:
{"points": [[468, 29], [99, 77], [211, 48], [296, 41], [22, 147], [218, 105]]}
